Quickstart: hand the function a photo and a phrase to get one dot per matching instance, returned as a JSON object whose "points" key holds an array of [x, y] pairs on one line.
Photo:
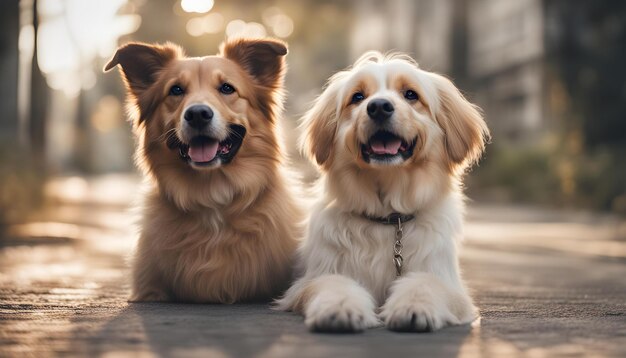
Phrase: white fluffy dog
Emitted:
{"points": [[393, 142]]}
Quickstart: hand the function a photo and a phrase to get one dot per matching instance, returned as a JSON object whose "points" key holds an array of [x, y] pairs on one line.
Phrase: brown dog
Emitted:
{"points": [[219, 223]]}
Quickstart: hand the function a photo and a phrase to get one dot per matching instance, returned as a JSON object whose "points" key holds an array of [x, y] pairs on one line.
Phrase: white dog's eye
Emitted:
{"points": [[357, 97], [411, 95]]}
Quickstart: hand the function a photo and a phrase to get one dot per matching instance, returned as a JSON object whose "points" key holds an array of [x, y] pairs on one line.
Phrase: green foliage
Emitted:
{"points": [[525, 175], [554, 177], [600, 179]]}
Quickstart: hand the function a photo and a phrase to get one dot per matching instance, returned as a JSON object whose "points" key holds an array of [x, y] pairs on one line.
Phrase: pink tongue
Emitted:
{"points": [[204, 152], [390, 147]]}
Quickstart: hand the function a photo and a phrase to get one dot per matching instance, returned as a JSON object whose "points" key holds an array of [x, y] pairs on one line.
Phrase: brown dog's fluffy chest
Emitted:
{"points": [[207, 256]]}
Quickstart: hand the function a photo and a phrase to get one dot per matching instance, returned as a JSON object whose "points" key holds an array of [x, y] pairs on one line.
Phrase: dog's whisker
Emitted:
{"points": [[167, 135], [232, 132]]}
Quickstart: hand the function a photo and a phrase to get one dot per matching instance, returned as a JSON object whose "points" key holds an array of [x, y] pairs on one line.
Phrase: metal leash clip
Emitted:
{"points": [[397, 249]]}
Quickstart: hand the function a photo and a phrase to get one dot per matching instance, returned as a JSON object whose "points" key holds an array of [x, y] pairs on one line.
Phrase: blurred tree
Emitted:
{"points": [[38, 99], [9, 20], [588, 50], [586, 45], [9, 123], [20, 166]]}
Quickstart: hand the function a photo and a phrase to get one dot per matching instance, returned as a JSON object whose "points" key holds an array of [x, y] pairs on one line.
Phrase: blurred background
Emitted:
{"points": [[548, 74]]}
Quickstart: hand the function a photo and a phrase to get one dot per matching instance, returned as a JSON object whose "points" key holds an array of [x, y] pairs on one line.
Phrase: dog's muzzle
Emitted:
{"points": [[205, 150], [385, 147]]}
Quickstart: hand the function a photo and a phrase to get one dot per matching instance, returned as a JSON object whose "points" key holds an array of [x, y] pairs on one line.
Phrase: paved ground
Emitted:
{"points": [[547, 283]]}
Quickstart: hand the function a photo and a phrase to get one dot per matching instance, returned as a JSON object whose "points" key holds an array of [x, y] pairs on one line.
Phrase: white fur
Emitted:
{"points": [[346, 259]]}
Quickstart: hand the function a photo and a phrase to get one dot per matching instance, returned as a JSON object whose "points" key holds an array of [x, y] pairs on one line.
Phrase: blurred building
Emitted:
{"points": [[501, 53], [422, 28], [493, 49], [505, 62]]}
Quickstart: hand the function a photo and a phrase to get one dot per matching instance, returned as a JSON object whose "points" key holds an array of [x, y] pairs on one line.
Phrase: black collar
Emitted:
{"points": [[391, 219]]}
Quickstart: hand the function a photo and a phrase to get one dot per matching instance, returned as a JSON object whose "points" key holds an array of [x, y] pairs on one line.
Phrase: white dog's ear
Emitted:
{"points": [[465, 130], [319, 125]]}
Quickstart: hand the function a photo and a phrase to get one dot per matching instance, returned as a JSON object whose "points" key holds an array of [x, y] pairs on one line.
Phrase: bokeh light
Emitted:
{"points": [[235, 27], [280, 23], [283, 26], [73, 34], [239, 28], [107, 115], [212, 23], [199, 6], [194, 27]]}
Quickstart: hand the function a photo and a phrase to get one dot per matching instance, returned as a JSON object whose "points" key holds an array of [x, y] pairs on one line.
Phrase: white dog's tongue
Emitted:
{"points": [[389, 147], [203, 152]]}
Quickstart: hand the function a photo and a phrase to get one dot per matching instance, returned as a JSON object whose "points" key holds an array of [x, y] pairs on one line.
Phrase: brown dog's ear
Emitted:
{"points": [[319, 125], [264, 59], [465, 131], [140, 64]]}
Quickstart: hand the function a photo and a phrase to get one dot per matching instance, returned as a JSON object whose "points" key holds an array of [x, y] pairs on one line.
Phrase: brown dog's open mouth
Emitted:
{"points": [[206, 151], [387, 148]]}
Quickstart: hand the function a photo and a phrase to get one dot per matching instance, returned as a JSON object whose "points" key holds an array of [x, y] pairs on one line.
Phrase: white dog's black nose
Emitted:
{"points": [[198, 116], [380, 110]]}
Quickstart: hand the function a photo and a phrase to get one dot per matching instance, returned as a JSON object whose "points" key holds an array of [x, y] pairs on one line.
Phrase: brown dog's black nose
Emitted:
{"points": [[198, 116], [380, 110]]}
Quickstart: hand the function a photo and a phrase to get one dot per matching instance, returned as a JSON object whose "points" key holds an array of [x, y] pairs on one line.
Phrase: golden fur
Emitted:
{"points": [[222, 234]]}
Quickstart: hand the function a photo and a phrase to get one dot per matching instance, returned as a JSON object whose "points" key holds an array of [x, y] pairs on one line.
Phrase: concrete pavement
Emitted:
{"points": [[547, 283]]}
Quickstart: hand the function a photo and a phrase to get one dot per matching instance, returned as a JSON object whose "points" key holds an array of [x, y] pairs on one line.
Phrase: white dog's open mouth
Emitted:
{"points": [[387, 148], [206, 151]]}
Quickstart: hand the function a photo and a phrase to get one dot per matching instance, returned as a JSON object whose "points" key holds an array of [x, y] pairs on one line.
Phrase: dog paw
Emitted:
{"points": [[340, 317], [416, 317]]}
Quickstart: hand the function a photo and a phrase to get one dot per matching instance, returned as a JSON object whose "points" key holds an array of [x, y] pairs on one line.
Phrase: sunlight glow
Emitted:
{"points": [[70, 189], [73, 34], [199, 6], [26, 41]]}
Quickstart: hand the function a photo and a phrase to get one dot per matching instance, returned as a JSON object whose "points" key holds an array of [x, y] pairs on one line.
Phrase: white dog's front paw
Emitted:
{"points": [[416, 317], [345, 315], [420, 302]]}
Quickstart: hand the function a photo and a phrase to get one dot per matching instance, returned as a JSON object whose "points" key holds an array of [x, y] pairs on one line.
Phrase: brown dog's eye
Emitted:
{"points": [[227, 88], [177, 90], [411, 95], [357, 97]]}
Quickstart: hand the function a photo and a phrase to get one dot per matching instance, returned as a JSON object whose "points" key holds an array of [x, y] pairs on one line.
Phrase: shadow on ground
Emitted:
{"points": [[246, 330]]}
